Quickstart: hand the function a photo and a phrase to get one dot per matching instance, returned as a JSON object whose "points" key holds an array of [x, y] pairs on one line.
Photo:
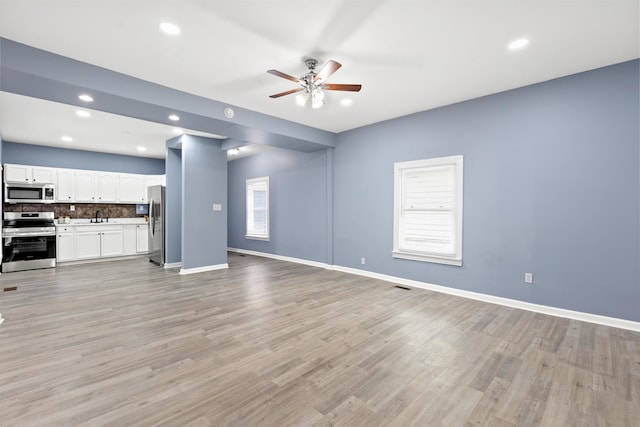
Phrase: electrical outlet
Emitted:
{"points": [[363, 261], [72, 208], [217, 207], [528, 277]]}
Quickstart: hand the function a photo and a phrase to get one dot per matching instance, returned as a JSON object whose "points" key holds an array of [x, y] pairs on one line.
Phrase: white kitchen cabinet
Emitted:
{"points": [[142, 238], [88, 243], [96, 187], [17, 173], [132, 188], [42, 175], [66, 185], [86, 186], [151, 180], [65, 244], [99, 241], [111, 242], [25, 174], [129, 238], [107, 189]]}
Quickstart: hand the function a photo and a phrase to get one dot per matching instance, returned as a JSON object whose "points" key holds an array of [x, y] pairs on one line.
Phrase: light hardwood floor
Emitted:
{"points": [[270, 343]]}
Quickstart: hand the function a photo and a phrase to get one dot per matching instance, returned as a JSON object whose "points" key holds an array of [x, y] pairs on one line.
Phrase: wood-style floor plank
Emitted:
{"points": [[270, 343]]}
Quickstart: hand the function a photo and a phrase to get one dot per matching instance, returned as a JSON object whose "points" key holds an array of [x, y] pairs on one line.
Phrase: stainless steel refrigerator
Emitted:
{"points": [[156, 198]]}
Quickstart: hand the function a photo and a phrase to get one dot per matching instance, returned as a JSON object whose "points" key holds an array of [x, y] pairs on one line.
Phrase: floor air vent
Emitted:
{"points": [[12, 288], [404, 288]]}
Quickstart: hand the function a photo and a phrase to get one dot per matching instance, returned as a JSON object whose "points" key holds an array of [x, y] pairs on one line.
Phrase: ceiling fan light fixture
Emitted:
{"points": [[302, 98], [318, 95], [317, 98]]}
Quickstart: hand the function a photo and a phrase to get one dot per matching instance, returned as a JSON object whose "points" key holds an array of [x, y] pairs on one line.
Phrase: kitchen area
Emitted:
{"points": [[53, 216]]}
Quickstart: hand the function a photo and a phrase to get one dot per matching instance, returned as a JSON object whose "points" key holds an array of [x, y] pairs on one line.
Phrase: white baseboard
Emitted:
{"points": [[203, 269], [94, 260], [172, 265], [282, 258], [537, 308]]}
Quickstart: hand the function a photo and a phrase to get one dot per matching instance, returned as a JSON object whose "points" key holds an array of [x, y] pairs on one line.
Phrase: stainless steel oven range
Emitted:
{"points": [[28, 241]]}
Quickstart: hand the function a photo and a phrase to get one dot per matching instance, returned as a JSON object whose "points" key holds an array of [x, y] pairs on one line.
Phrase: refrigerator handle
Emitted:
{"points": [[152, 218]]}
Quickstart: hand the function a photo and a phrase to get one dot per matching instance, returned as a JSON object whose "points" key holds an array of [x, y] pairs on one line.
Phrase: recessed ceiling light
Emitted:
{"points": [[66, 138], [86, 98], [169, 28], [178, 131], [233, 151], [519, 44], [346, 102], [83, 113], [141, 148], [174, 117]]}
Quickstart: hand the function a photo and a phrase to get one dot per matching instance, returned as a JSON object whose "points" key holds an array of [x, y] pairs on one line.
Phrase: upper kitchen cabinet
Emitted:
{"points": [[66, 188], [24, 174], [132, 188], [96, 187], [108, 187], [86, 186]]}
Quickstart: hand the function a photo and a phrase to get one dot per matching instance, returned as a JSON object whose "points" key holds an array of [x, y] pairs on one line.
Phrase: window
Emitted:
{"points": [[258, 208], [428, 210]]}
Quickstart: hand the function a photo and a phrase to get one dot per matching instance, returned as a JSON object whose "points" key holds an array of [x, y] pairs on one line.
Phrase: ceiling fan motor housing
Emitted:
{"points": [[311, 63]]}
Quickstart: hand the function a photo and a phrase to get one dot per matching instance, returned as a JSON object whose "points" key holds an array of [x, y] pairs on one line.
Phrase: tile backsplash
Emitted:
{"points": [[83, 210]]}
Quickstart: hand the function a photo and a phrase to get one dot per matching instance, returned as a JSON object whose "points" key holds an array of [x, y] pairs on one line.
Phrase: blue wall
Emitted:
{"points": [[38, 155], [204, 182], [298, 203], [551, 186], [173, 205]]}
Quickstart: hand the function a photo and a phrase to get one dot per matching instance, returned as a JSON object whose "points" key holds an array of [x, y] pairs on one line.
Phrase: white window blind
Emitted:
{"points": [[428, 210], [258, 208]]}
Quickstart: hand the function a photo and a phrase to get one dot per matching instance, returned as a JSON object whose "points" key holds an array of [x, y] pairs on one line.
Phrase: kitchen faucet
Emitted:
{"points": [[97, 212]]}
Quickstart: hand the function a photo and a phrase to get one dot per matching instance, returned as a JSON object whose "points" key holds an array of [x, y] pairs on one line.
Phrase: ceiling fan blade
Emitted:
{"points": [[283, 75], [326, 71], [289, 92], [348, 88]]}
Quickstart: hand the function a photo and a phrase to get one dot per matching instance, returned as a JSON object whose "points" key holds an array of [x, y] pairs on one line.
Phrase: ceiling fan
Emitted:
{"points": [[312, 84]]}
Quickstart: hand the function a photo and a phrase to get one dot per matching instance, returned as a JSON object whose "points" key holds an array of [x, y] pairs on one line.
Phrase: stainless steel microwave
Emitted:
{"points": [[29, 193]]}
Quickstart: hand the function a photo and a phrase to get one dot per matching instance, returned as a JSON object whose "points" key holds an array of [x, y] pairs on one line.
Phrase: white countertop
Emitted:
{"points": [[112, 221]]}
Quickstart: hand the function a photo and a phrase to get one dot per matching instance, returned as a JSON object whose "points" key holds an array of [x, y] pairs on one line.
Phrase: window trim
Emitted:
{"points": [[399, 169], [249, 184]]}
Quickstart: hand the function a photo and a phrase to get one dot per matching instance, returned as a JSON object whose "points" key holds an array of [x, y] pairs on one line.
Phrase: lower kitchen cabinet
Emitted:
{"points": [[111, 243], [142, 238], [88, 244], [65, 244], [136, 239], [129, 236], [92, 242], [85, 242]]}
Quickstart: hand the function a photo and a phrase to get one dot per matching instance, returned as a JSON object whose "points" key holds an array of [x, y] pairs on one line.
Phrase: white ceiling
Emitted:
{"points": [[409, 55]]}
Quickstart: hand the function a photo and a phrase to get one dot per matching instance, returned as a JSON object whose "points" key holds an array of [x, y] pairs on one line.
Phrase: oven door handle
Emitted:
{"points": [[34, 234]]}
